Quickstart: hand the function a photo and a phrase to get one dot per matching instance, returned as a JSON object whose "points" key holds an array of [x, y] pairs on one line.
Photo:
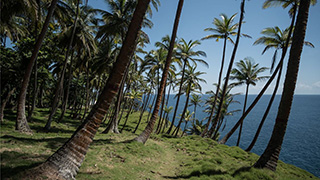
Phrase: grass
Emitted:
{"points": [[162, 157]]}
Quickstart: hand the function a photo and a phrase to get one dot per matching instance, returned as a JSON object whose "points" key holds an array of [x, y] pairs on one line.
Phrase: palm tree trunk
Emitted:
{"points": [[229, 134], [59, 89], [244, 110], [266, 112], [127, 117], [86, 107], [143, 137], [216, 96], [270, 156], [175, 132], [36, 89], [21, 122], [178, 98], [224, 89], [3, 104], [66, 161], [152, 105], [162, 106], [65, 101]]}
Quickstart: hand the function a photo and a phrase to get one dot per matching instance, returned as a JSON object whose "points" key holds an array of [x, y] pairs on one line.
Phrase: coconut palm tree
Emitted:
{"points": [[270, 156], [21, 122], [195, 101], [273, 38], [255, 101], [218, 115], [186, 118], [187, 53], [190, 84], [224, 29], [247, 72], [66, 161], [228, 99], [143, 137]]}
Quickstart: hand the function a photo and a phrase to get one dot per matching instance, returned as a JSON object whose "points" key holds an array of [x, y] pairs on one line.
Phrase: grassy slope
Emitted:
{"points": [[162, 157]]}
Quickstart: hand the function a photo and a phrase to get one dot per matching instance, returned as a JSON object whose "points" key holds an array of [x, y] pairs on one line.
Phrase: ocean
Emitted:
{"points": [[301, 145]]}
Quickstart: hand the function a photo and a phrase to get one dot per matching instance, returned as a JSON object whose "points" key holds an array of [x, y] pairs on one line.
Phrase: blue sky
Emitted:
{"points": [[198, 15]]}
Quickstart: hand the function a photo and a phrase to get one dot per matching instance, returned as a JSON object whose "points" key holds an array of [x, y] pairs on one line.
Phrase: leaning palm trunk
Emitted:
{"points": [[59, 88], [244, 115], [143, 137], [224, 89], [216, 96], [65, 101], [178, 98], [270, 156], [66, 161], [21, 122], [244, 110], [266, 112], [175, 132]]}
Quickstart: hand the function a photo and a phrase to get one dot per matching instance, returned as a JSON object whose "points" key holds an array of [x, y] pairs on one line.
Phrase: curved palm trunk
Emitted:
{"points": [[65, 101], [216, 96], [36, 88], [59, 88], [266, 112], [244, 110], [270, 156], [175, 132], [178, 98], [66, 161], [224, 89], [229, 134], [143, 137], [21, 122]]}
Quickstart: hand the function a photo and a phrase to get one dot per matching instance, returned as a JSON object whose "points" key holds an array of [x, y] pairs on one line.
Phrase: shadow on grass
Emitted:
{"points": [[13, 163], [197, 174], [52, 143], [242, 169]]}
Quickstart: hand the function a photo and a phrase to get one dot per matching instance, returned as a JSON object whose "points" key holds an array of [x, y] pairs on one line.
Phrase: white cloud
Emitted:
{"points": [[316, 84]]}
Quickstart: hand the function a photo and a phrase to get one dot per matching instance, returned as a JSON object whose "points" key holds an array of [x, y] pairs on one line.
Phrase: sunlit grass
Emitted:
{"points": [[111, 157]]}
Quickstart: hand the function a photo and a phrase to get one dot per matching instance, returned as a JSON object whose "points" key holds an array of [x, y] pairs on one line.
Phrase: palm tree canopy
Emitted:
{"points": [[284, 4], [247, 72], [274, 37], [186, 52]]}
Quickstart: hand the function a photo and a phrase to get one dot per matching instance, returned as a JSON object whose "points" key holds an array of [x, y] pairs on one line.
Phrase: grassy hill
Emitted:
{"points": [[110, 157]]}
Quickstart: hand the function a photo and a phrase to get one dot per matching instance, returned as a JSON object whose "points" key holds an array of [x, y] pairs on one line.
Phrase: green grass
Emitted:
{"points": [[162, 157]]}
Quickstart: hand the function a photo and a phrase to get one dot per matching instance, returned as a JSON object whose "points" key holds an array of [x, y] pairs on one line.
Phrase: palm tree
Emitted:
{"points": [[21, 122], [273, 38], [224, 89], [255, 101], [190, 84], [224, 29], [66, 161], [228, 99], [270, 156], [143, 137], [186, 53], [186, 118], [195, 102], [247, 72], [133, 97]]}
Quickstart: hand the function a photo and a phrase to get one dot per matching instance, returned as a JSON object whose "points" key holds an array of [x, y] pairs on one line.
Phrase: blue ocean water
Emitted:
{"points": [[301, 145]]}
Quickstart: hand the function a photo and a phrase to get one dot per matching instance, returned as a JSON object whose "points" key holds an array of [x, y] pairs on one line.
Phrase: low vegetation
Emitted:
{"points": [[111, 156]]}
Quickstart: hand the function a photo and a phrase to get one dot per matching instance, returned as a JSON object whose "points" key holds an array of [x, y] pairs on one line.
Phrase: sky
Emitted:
{"points": [[199, 14]]}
